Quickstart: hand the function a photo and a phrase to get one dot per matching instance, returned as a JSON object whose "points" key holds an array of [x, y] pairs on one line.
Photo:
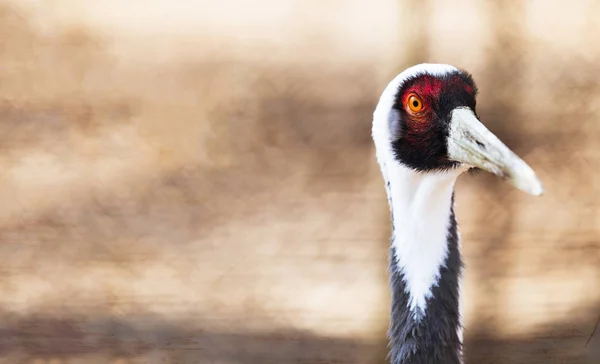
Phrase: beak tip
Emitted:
{"points": [[527, 181], [538, 191], [535, 188]]}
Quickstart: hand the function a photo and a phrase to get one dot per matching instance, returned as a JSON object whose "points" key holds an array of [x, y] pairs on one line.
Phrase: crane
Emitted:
{"points": [[426, 133]]}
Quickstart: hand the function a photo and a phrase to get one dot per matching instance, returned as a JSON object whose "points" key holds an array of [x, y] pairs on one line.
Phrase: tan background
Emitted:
{"points": [[194, 182]]}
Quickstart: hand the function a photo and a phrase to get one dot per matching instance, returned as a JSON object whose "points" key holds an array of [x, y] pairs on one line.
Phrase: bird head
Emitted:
{"points": [[426, 121]]}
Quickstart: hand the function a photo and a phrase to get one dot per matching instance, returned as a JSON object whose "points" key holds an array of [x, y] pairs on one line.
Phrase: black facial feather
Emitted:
{"points": [[425, 148]]}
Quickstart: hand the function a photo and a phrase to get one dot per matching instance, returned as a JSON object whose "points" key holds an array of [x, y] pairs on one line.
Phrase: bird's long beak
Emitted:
{"points": [[472, 143]]}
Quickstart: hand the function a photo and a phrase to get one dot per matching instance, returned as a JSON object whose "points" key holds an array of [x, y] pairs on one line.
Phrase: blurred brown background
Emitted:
{"points": [[194, 182]]}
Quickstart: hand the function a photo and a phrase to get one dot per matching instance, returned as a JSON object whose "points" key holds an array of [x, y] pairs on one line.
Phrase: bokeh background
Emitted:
{"points": [[195, 182]]}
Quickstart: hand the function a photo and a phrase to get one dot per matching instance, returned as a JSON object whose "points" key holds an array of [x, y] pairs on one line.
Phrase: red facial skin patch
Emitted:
{"points": [[428, 89]]}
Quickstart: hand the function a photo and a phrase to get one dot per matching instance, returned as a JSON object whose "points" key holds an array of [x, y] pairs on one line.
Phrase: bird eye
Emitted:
{"points": [[415, 104]]}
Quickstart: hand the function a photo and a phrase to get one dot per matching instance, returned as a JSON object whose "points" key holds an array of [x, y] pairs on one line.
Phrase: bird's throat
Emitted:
{"points": [[425, 267]]}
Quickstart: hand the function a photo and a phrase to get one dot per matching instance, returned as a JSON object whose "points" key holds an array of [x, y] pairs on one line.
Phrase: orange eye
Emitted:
{"points": [[415, 104]]}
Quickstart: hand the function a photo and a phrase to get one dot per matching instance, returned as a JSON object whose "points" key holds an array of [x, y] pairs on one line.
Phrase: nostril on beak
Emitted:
{"points": [[480, 144]]}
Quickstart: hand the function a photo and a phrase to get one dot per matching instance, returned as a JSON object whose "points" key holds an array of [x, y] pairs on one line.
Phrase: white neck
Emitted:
{"points": [[421, 205], [420, 202], [421, 208]]}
